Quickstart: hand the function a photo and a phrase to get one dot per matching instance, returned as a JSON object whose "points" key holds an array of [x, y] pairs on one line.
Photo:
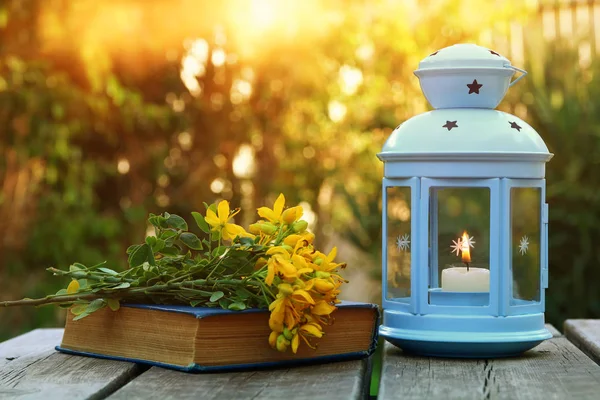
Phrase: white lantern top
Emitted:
{"points": [[463, 133], [466, 76], [464, 137], [463, 55]]}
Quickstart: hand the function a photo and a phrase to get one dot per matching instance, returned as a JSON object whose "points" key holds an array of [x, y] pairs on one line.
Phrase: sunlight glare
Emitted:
{"points": [[243, 162], [123, 166], [217, 185], [350, 79], [308, 214], [218, 57], [264, 12], [337, 111], [193, 65]]}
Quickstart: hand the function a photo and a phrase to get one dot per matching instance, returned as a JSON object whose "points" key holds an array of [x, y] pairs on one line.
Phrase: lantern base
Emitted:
{"points": [[463, 349], [463, 336]]}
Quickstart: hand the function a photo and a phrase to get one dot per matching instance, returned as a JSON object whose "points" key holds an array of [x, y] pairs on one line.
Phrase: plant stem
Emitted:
{"points": [[52, 299], [125, 294], [89, 275]]}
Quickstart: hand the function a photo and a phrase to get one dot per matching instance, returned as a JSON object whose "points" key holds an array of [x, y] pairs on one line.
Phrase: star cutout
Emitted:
{"points": [[449, 125], [433, 54], [514, 125], [494, 53], [474, 87]]}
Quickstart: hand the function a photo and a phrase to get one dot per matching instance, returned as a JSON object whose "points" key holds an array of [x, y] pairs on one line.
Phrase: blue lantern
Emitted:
{"points": [[465, 222]]}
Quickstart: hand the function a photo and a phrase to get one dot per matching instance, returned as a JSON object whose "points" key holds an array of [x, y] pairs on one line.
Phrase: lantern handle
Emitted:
{"points": [[522, 71]]}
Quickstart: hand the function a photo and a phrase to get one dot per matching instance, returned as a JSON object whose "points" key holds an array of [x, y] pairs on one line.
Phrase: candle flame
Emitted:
{"points": [[466, 253]]}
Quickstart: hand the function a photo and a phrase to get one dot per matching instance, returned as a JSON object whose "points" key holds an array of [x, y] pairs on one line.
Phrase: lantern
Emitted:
{"points": [[465, 223]]}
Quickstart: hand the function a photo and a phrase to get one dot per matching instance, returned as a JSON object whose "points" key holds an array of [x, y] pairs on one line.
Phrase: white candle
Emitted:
{"points": [[459, 279]]}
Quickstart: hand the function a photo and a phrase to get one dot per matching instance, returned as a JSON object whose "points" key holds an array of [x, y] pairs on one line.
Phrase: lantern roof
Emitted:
{"points": [[464, 133], [464, 55]]}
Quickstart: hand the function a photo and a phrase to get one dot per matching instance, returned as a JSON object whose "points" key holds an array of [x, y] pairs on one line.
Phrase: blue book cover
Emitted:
{"points": [[115, 332]]}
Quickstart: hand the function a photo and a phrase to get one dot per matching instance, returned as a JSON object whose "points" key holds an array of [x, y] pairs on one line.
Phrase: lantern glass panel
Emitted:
{"points": [[525, 244], [459, 243], [399, 243]]}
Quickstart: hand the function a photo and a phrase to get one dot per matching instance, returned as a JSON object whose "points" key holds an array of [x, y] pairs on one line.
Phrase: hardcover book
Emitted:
{"points": [[198, 339]]}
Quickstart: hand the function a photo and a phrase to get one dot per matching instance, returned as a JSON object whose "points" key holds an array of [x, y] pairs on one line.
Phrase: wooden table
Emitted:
{"points": [[564, 367]]}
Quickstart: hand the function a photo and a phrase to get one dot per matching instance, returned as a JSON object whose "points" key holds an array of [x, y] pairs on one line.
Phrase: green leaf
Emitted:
{"points": [[194, 303], [158, 246], [79, 309], [76, 267], [151, 240], [80, 316], [167, 234], [169, 237], [95, 305], [224, 303], [175, 221], [123, 285], [83, 283], [219, 251], [61, 292], [246, 241], [108, 271], [140, 255], [170, 251], [201, 222], [216, 296], [158, 221], [131, 249], [242, 293], [113, 304], [191, 240], [237, 306]]}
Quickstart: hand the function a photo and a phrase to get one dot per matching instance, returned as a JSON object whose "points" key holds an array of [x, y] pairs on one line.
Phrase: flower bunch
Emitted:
{"points": [[272, 265], [307, 280]]}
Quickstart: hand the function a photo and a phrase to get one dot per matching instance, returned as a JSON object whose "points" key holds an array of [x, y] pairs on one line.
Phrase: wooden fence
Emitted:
{"points": [[574, 20]]}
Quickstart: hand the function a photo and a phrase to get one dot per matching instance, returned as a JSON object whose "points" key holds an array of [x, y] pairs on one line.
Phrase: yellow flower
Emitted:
{"points": [[301, 265], [273, 215], [283, 309], [322, 308], [220, 222], [280, 264], [292, 214], [325, 262], [323, 285], [73, 287], [273, 339], [293, 239], [311, 329], [261, 262]]}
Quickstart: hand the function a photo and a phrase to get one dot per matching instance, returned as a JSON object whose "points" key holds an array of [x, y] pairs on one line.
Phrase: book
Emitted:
{"points": [[197, 339]]}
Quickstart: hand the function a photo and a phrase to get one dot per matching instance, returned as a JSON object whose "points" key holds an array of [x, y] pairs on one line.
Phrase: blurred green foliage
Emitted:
{"points": [[563, 103], [100, 125]]}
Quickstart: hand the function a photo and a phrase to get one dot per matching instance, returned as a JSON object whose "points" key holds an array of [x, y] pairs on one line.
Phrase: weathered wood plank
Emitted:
{"points": [[585, 334], [555, 332], [47, 374], [29, 343], [555, 369], [340, 380]]}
